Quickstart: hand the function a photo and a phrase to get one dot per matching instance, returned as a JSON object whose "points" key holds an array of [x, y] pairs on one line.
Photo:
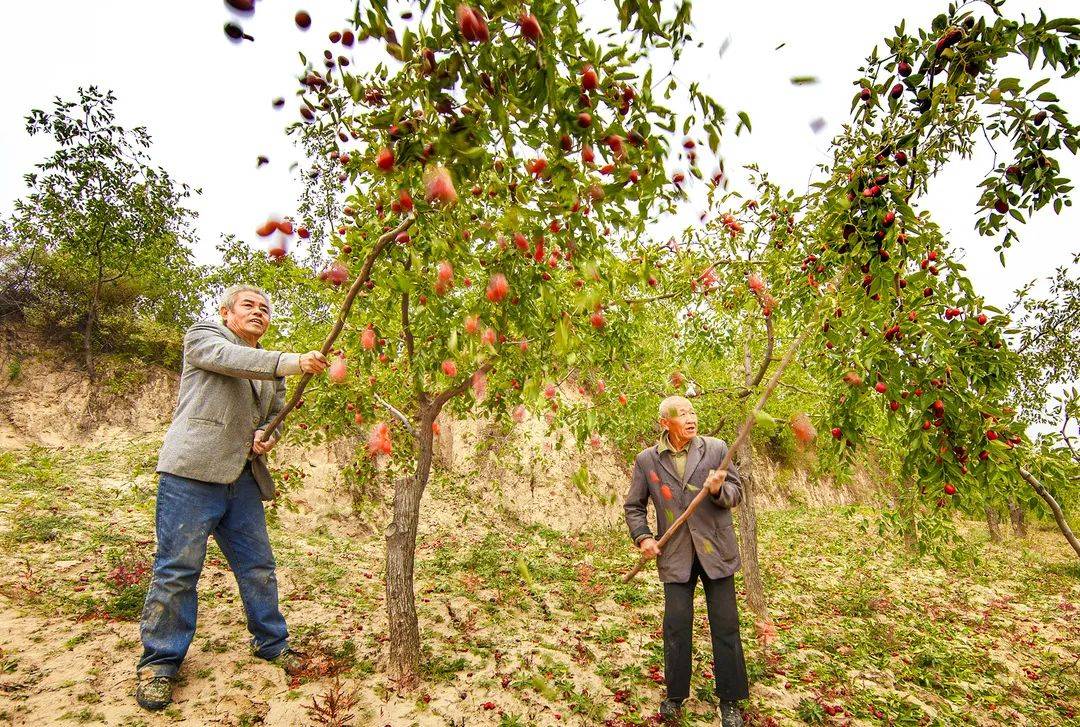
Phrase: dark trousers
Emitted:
{"points": [[729, 666]]}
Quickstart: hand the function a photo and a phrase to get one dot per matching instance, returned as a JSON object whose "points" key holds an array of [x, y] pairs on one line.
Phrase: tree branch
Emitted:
{"points": [[346, 306], [770, 342], [1052, 503], [401, 417], [405, 319], [445, 396]]}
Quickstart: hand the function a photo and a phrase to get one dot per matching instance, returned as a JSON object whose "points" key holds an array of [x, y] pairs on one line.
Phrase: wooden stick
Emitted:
{"points": [[744, 432], [346, 305]]}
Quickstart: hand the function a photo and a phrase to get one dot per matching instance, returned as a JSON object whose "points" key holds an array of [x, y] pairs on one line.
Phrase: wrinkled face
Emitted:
{"points": [[680, 420], [249, 317]]}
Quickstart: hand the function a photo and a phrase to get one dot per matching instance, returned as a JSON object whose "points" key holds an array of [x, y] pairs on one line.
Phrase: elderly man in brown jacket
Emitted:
{"points": [[670, 474]]}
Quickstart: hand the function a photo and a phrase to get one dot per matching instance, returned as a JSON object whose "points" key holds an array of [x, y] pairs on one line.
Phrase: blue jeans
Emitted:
{"points": [[188, 512]]}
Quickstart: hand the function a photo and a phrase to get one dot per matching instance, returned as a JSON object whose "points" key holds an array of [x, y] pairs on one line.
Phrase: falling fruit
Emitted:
{"points": [[802, 428], [472, 24], [497, 288], [303, 19], [379, 440], [277, 248], [337, 371], [267, 229], [235, 32], [336, 274], [439, 186], [665, 491], [385, 159], [446, 272], [530, 27], [852, 379]]}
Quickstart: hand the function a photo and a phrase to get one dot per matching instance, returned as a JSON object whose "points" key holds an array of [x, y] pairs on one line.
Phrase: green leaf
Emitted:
{"points": [[744, 120]]}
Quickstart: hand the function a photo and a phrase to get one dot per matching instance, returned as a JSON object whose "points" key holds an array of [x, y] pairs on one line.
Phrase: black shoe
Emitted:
{"points": [[154, 693], [670, 711], [730, 714], [292, 661]]}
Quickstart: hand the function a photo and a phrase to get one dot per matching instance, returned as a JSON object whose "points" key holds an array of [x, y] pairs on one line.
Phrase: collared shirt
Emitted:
{"points": [[679, 457]]}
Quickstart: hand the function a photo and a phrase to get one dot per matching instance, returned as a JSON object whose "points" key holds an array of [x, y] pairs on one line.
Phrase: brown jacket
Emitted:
{"points": [[708, 533]]}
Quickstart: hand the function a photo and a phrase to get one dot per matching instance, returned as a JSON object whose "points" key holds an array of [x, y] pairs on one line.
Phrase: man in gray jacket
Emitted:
{"points": [[212, 480], [670, 474]]}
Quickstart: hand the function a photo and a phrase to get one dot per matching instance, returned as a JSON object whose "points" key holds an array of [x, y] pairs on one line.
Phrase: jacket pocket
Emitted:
{"points": [[725, 537], [203, 422]]}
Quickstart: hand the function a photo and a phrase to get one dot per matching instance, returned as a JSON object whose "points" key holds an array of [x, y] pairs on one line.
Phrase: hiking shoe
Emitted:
{"points": [[670, 711], [154, 693], [730, 714], [291, 661]]}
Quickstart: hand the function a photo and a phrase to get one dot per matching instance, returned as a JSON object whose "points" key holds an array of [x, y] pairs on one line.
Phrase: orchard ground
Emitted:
{"points": [[524, 618]]}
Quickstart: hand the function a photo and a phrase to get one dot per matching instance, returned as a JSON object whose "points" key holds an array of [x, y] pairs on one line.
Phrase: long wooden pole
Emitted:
{"points": [[365, 273], [744, 432]]}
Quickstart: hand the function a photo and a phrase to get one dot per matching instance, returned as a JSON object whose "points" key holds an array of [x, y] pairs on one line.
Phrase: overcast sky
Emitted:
{"points": [[206, 101]]}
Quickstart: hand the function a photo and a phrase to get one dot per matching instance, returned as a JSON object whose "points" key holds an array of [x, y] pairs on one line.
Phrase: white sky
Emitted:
{"points": [[206, 101]]}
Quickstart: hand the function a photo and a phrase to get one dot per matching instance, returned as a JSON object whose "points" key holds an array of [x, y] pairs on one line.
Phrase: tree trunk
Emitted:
{"points": [[444, 443], [404, 632], [1016, 515], [748, 540], [755, 589], [992, 520], [1059, 516], [905, 506], [88, 334]]}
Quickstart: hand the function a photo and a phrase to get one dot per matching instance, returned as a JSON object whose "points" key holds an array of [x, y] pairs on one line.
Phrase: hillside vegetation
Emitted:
{"points": [[524, 618]]}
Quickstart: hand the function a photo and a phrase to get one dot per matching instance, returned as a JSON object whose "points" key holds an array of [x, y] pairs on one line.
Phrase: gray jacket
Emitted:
{"points": [[228, 389], [708, 532]]}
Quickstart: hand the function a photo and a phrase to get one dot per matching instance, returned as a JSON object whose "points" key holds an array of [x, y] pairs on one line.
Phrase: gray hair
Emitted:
{"points": [[228, 296], [672, 402]]}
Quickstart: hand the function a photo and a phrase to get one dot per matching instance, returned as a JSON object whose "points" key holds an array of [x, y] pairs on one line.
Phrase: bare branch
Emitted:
{"points": [[458, 388], [400, 416]]}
